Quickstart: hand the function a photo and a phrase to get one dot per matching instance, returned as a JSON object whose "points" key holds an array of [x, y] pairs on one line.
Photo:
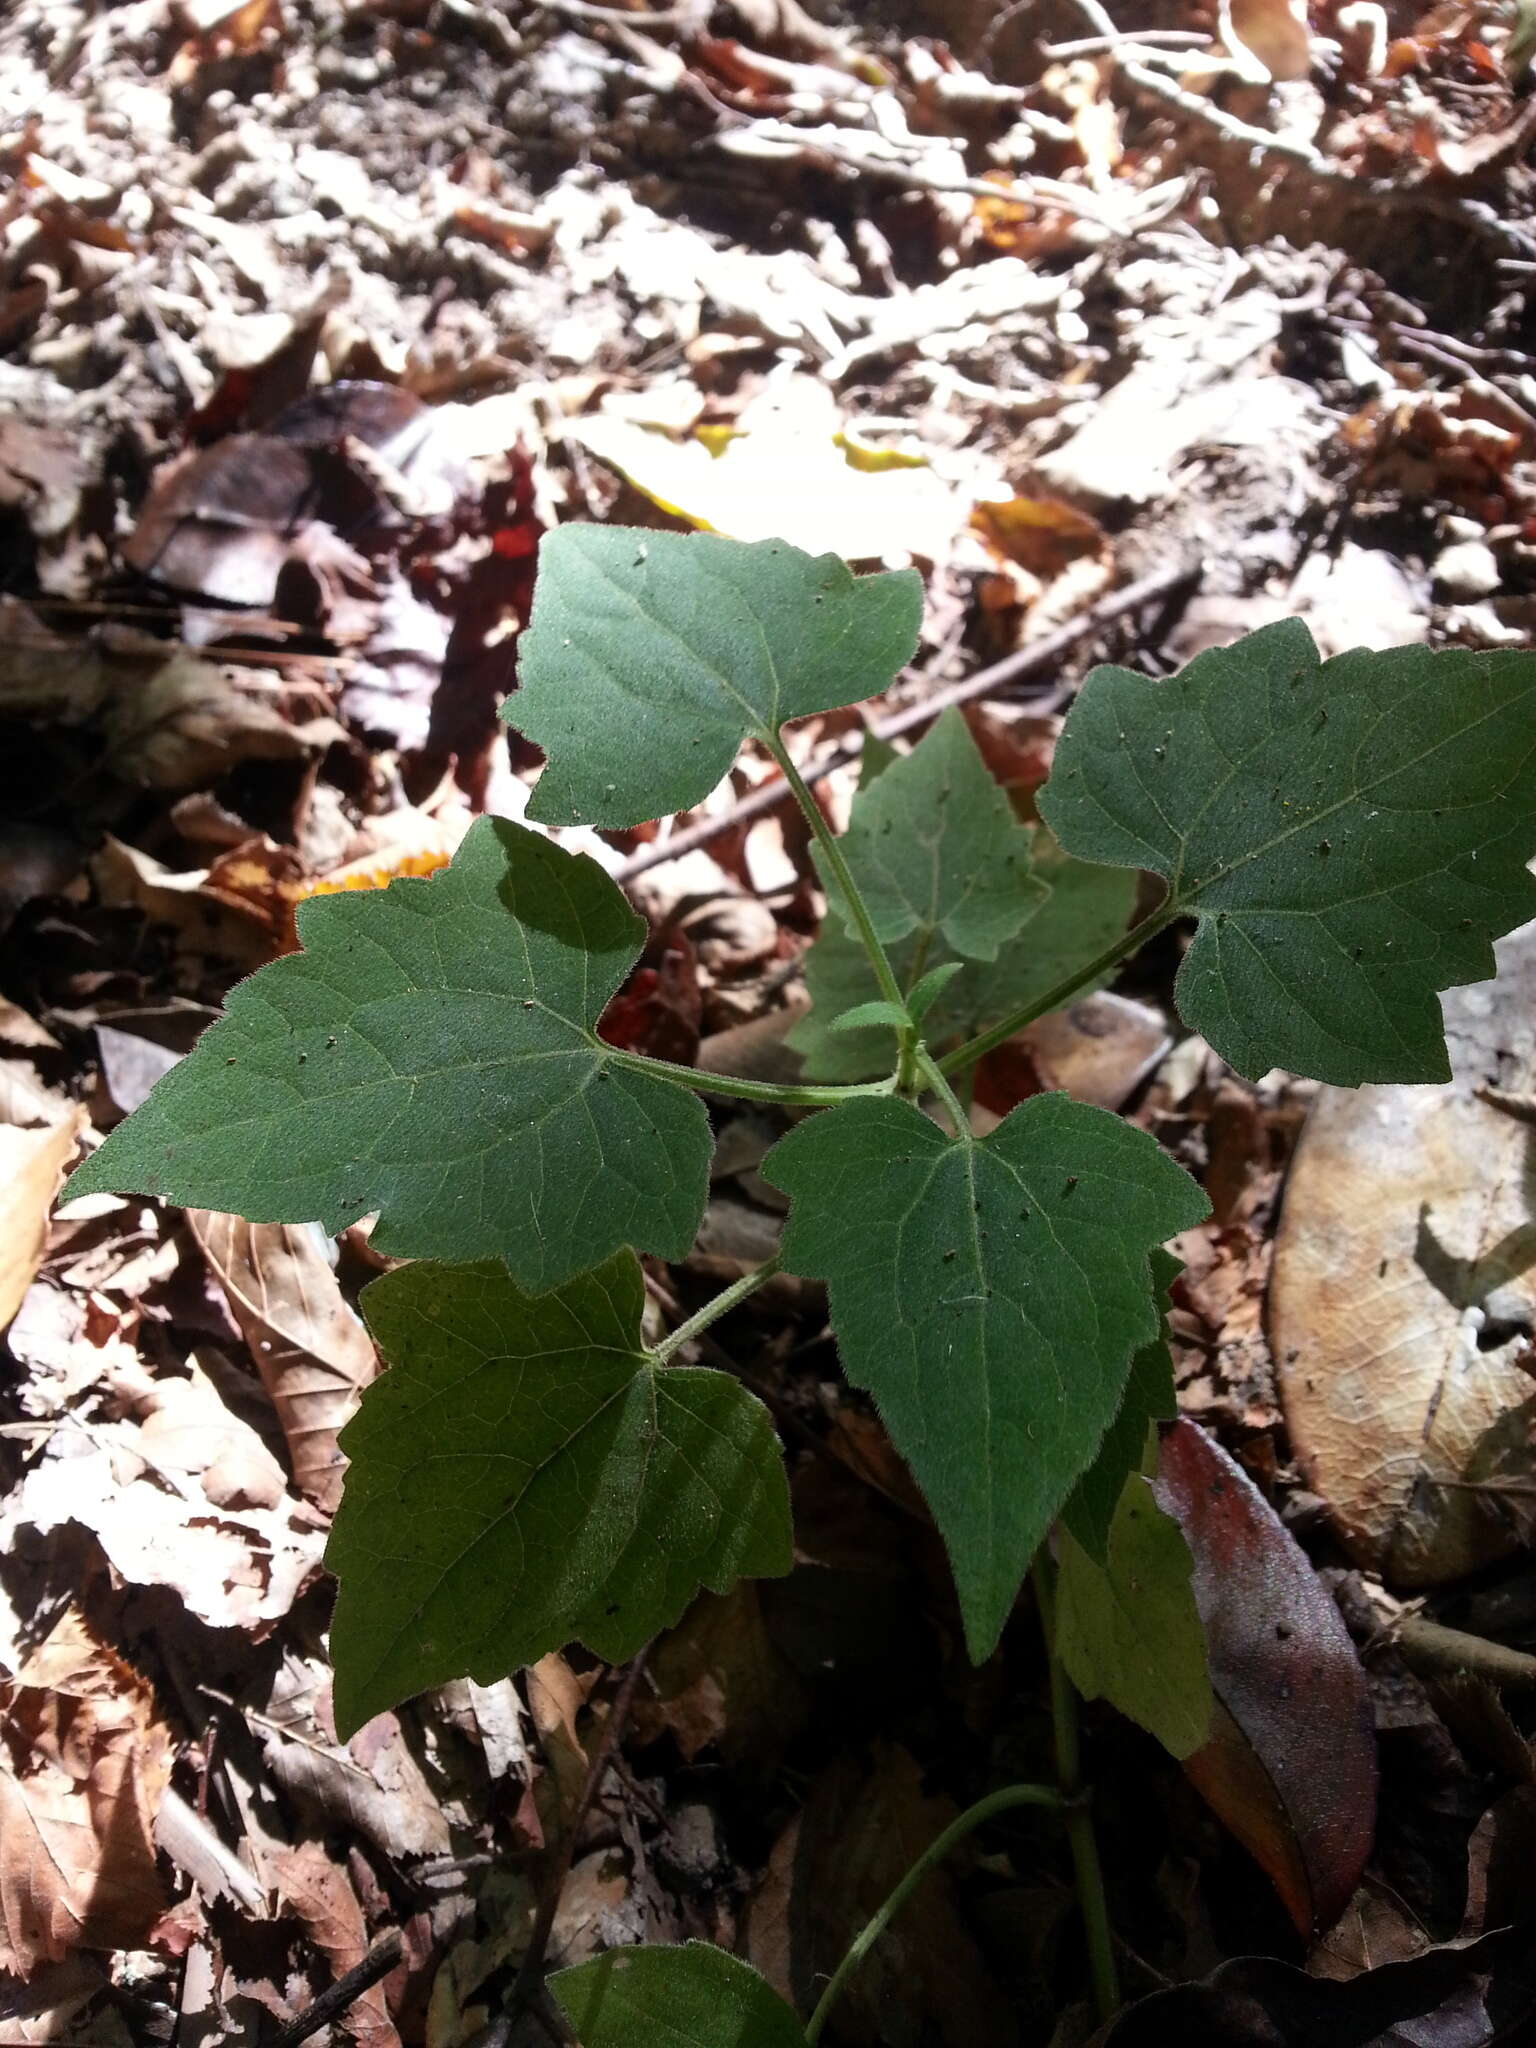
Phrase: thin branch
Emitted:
{"points": [[333, 2001], [530, 1974], [986, 682]]}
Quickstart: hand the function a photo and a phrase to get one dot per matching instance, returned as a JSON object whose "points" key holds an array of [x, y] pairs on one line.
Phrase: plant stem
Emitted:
{"points": [[712, 1311], [933, 1074], [1130, 942], [793, 1094], [973, 1817], [839, 870], [1079, 1815]]}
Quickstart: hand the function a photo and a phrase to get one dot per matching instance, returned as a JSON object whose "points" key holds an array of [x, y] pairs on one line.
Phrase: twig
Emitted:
{"points": [[619, 17], [347, 1989], [1430, 1647], [1432, 349], [1093, 46], [530, 1975], [1012, 668]]}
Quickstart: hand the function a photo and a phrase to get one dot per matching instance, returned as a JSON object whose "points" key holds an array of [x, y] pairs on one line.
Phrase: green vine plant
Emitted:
{"points": [[1347, 838]]}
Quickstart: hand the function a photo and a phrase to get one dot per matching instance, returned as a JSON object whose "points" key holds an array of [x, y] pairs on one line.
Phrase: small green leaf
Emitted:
{"points": [[524, 1476], [1085, 912], [935, 848], [989, 1294], [431, 1055], [651, 656], [930, 988], [691, 1997], [890, 1015], [1351, 835], [1128, 1629], [1149, 1399]]}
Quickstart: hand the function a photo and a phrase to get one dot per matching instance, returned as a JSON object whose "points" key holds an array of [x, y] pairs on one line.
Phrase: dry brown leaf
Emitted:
{"points": [[83, 1764], [32, 1163], [718, 1678], [372, 1785], [1404, 1298], [312, 1353], [320, 1893]]}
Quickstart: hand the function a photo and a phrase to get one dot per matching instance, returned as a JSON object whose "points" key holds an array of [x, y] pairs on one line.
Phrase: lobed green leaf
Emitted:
{"points": [[1127, 1627], [431, 1055], [651, 656], [1351, 835], [1084, 913], [690, 1997], [1149, 1399], [935, 848], [524, 1475], [989, 1293]]}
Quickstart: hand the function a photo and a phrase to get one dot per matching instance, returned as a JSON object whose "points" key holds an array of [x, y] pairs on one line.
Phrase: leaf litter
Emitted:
{"points": [[314, 316]]}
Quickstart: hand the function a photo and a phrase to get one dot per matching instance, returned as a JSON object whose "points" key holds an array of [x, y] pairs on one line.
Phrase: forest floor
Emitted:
{"points": [[1133, 334]]}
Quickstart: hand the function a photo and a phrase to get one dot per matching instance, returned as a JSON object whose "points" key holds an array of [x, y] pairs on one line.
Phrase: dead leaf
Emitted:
{"points": [[1404, 1298], [32, 1164], [319, 1891], [1291, 1764], [312, 1353], [84, 1762], [1480, 1993], [718, 1679]]}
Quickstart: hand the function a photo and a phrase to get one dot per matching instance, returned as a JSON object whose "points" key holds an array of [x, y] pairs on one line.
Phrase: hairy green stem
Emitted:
{"points": [[792, 1094], [933, 1074], [712, 1311], [1079, 1815], [1130, 942], [840, 871], [973, 1817]]}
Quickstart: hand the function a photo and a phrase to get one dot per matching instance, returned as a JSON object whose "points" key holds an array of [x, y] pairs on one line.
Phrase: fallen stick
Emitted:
{"points": [[347, 1989], [1436, 1651], [1028, 661]]}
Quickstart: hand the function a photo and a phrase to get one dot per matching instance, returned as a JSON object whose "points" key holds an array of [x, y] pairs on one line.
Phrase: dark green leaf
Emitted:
{"points": [[693, 1997], [1352, 835], [524, 1476], [935, 848], [1149, 1399], [431, 1055], [1085, 912], [651, 656], [989, 1294], [1128, 1629]]}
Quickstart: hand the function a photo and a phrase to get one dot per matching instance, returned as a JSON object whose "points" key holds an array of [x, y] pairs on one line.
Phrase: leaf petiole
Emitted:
{"points": [[794, 1095], [712, 1311], [1128, 943]]}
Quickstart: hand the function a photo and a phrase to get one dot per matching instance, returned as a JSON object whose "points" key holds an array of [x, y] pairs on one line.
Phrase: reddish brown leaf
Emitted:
{"points": [[1291, 1764], [83, 1764]]}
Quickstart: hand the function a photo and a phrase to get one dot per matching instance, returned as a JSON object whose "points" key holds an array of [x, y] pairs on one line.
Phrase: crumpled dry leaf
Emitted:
{"points": [[83, 1764], [312, 1353], [1404, 1298], [371, 1785], [718, 1678], [178, 1492], [33, 1157], [319, 1891]]}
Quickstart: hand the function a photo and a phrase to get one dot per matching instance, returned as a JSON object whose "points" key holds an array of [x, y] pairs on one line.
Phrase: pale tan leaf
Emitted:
{"points": [[313, 1354], [1404, 1298], [82, 1769], [32, 1163]]}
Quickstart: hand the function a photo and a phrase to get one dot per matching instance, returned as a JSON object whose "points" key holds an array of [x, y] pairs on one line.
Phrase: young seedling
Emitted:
{"points": [[1349, 837]]}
